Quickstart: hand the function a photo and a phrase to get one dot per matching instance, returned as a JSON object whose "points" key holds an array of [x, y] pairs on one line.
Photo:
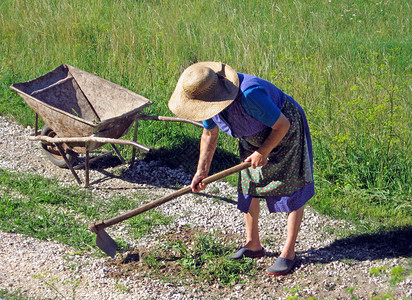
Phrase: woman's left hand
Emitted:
{"points": [[257, 159]]}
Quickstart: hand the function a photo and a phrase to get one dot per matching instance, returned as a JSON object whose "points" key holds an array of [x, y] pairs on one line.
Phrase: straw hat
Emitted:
{"points": [[204, 89]]}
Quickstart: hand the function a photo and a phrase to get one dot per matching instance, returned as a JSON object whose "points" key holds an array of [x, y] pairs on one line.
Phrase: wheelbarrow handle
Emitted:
{"points": [[168, 119], [88, 139], [96, 226]]}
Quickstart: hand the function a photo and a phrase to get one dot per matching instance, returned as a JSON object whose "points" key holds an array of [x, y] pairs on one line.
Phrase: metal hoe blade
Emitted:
{"points": [[106, 243]]}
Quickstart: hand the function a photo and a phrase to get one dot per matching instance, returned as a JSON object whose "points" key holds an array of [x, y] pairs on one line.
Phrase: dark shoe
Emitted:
{"points": [[282, 266], [243, 252]]}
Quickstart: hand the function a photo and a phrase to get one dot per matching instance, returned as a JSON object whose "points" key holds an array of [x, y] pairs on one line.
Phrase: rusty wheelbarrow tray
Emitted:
{"points": [[82, 112]]}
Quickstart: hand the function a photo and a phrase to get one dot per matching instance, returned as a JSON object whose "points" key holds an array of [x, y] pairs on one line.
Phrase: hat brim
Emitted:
{"points": [[202, 109]]}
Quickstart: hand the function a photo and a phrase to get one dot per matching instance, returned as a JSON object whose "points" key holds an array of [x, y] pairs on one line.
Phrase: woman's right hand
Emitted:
{"points": [[196, 184]]}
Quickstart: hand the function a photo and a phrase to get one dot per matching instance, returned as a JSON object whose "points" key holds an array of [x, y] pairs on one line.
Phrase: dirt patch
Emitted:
{"points": [[167, 253]]}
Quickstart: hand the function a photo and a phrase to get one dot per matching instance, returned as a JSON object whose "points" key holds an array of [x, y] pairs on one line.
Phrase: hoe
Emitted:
{"points": [[109, 246]]}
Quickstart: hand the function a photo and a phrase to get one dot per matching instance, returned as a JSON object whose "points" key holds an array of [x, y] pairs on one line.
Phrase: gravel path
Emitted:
{"points": [[329, 268]]}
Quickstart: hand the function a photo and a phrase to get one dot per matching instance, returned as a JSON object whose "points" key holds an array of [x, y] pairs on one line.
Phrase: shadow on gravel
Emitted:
{"points": [[150, 169], [389, 244], [186, 155]]}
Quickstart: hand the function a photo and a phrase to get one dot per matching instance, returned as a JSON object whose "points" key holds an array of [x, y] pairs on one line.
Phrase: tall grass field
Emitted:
{"points": [[348, 63]]}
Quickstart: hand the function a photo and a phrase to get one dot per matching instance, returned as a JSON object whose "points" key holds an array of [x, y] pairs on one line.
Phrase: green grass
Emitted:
{"points": [[6, 295], [39, 207], [394, 275], [144, 223], [346, 62]]}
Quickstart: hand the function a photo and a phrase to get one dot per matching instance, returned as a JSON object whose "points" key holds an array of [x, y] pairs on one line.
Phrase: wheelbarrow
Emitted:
{"points": [[83, 112]]}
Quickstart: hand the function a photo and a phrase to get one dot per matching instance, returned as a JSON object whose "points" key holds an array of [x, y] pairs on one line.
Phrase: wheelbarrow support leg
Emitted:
{"points": [[69, 165], [36, 125], [136, 127], [86, 169], [118, 153]]}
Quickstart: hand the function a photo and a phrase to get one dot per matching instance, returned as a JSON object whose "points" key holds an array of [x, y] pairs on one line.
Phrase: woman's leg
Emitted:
{"points": [[294, 221], [252, 226]]}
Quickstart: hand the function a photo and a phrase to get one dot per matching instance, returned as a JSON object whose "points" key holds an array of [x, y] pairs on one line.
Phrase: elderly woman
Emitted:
{"points": [[273, 136]]}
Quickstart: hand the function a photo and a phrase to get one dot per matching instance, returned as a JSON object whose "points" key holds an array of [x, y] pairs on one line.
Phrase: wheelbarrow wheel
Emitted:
{"points": [[52, 153]]}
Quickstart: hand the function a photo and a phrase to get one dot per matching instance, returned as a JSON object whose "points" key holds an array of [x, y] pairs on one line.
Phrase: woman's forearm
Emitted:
{"points": [[208, 144], [279, 130]]}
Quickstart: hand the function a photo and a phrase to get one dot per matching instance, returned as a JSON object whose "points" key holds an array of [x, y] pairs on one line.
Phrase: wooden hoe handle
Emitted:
{"points": [[99, 225]]}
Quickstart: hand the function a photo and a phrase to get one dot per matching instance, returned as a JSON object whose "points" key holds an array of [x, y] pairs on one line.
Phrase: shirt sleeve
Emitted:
{"points": [[259, 105], [209, 124]]}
